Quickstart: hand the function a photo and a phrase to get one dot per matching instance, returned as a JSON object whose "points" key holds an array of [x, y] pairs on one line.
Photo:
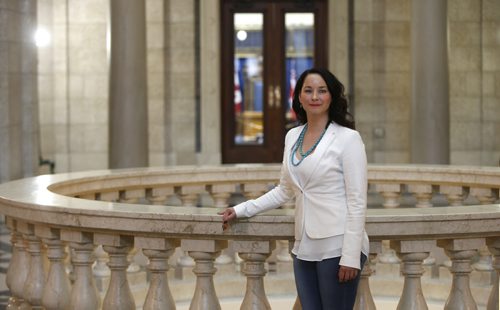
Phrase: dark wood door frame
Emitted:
{"points": [[273, 72]]}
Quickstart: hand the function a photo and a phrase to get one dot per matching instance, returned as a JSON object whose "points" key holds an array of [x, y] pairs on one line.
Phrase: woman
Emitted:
{"points": [[324, 168]]}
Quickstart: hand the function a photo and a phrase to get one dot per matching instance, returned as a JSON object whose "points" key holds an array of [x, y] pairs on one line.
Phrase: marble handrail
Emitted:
{"points": [[44, 209]]}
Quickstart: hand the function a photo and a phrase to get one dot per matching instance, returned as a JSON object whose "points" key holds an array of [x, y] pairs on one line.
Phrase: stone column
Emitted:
{"points": [[128, 113], [430, 134]]}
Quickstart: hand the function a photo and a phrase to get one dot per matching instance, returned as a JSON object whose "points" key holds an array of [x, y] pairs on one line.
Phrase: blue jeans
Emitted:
{"points": [[318, 285]]}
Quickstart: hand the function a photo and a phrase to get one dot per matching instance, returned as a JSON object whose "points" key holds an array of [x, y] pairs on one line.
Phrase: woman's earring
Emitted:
{"points": [[301, 107]]}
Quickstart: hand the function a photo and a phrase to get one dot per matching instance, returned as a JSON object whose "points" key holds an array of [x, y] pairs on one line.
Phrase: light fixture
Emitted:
{"points": [[241, 35], [42, 37]]}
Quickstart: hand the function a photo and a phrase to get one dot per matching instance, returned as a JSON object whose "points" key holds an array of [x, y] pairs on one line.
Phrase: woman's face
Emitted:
{"points": [[314, 96]]}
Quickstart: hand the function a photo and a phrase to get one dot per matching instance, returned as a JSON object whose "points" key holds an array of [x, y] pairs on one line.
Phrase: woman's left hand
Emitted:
{"points": [[347, 273]]}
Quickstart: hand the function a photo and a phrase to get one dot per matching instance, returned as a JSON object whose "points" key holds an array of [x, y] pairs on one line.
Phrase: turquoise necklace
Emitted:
{"points": [[299, 144]]}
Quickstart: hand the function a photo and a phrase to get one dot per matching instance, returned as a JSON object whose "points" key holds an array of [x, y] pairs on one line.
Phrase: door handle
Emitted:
{"points": [[277, 96], [270, 96]]}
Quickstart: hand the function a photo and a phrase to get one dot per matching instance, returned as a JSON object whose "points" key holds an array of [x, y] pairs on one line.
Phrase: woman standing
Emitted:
{"points": [[324, 168]]}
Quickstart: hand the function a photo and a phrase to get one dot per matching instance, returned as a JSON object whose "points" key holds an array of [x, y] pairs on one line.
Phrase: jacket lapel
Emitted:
{"points": [[321, 150], [288, 153]]}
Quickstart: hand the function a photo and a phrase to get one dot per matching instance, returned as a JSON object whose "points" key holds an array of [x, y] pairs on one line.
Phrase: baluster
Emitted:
{"points": [[460, 251], [158, 251], [84, 295], [391, 194], [454, 194], [485, 196], [412, 253], [189, 196], [254, 254], [204, 253], [18, 267], [33, 287], [57, 287], [254, 190], [250, 191], [159, 195], [13, 267], [89, 196], [110, 196], [101, 268], [364, 298], [131, 195], [493, 300], [220, 194], [118, 294], [423, 194]]}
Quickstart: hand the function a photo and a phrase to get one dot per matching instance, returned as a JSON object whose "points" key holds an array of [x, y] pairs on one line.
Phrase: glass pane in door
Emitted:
{"points": [[248, 81], [299, 50]]}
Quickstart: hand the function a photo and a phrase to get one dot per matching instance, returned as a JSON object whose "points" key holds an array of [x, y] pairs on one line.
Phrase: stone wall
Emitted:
{"points": [[382, 77], [73, 83], [382, 97], [474, 36], [18, 90], [73, 79]]}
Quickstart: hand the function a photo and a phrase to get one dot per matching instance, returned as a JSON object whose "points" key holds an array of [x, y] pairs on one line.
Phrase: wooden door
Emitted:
{"points": [[265, 46]]}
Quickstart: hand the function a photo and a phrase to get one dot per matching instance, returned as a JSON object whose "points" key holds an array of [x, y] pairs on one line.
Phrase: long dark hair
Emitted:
{"points": [[337, 111]]}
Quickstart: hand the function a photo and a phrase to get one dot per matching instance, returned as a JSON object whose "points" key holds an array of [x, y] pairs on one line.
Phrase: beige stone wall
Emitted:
{"points": [[382, 91], [73, 84], [383, 80], [18, 90], [155, 32], [180, 92], [73, 79], [474, 29]]}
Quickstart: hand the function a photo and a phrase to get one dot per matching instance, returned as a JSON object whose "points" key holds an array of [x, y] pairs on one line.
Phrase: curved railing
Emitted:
{"points": [[106, 216]]}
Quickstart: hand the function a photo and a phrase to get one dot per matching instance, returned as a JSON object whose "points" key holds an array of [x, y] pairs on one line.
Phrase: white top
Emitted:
{"points": [[313, 249]]}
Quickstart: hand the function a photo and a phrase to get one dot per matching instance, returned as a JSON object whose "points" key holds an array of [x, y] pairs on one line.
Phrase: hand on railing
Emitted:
{"points": [[227, 215]]}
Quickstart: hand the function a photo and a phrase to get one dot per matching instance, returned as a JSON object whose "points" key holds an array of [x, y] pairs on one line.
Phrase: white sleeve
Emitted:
{"points": [[276, 197], [355, 178], [270, 200]]}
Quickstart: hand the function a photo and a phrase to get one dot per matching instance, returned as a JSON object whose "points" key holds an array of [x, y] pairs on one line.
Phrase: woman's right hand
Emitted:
{"points": [[227, 215]]}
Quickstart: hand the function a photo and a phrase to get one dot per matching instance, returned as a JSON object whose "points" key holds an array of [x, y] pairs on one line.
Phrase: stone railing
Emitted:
{"points": [[112, 214]]}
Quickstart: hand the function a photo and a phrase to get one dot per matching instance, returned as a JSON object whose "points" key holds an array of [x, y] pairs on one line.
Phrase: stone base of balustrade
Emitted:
{"points": [[387, 282], [229, 283]]}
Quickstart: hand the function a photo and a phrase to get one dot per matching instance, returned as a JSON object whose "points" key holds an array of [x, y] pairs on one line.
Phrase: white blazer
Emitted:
{"points": [[332, 200]]}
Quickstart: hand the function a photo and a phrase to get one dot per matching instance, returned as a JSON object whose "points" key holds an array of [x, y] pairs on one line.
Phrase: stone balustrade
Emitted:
{"points": [[81, 220]]}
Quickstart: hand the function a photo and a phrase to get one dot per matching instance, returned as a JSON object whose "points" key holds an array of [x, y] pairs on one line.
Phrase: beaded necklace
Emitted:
{"points": [[298, 146]]}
